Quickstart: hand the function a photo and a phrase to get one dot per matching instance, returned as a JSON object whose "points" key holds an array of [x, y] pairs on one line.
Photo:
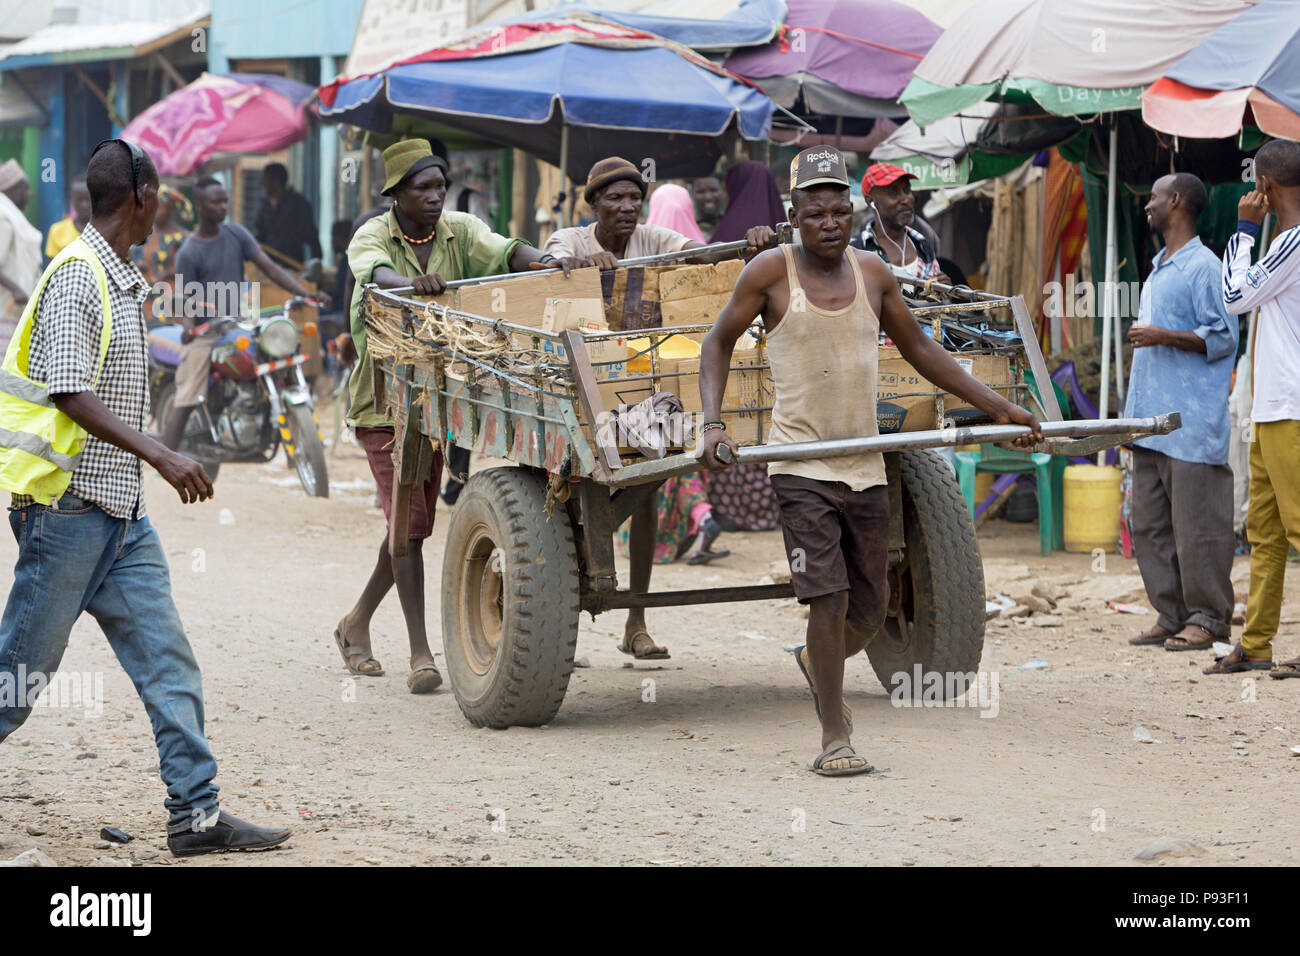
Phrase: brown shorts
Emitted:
{"points": [[837, 540], [193, 372], [378, 443]]}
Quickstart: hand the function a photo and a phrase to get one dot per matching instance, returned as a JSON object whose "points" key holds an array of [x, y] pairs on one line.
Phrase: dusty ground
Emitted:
{"points": [[712, 771]]}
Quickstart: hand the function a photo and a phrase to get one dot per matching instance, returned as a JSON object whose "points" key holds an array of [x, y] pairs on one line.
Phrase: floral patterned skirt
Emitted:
{"points": [[675, 500]]}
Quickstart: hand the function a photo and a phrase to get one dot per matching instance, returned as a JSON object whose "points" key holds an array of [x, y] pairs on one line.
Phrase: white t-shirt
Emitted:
{"points": [[579, 242], [1272, 284]]}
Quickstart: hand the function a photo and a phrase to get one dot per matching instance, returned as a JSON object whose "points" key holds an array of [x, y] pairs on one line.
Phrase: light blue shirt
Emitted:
{"points": [[1182, 293]]}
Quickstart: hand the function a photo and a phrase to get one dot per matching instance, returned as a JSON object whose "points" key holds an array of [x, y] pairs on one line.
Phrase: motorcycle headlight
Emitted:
{"points": [[279, 338]]}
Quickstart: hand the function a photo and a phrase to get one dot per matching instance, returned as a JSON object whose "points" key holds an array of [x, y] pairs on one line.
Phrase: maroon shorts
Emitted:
{"points": [[837, 539], [378, 443]]}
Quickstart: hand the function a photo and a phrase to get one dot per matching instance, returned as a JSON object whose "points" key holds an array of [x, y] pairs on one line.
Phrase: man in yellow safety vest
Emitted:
{"points": [[73, 397]]}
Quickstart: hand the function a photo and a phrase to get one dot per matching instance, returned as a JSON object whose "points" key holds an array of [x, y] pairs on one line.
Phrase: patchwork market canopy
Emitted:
{"points": [[1246, 71], [570, 90], [699, 24], [221, 113], [986, 140], [847, 58], [1071, 57]]}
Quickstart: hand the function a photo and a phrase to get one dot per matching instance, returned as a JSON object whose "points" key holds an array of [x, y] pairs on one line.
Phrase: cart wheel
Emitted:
{"points": [[936, 608], [509, 600]]}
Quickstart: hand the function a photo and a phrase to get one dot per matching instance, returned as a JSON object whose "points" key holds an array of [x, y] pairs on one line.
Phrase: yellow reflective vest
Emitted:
{"points": [[39, 445]]}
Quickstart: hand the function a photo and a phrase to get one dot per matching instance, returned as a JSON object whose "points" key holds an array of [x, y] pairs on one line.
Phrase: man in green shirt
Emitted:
{"points": [[414, 244]]}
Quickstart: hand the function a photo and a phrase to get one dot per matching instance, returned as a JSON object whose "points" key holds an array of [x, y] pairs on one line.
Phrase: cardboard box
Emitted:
{"points": [[693, 281], [640, 298], [748, 398], [563, 314], [632, 297], [522, 299], [905, 402], [698, 310], [679, 376]]}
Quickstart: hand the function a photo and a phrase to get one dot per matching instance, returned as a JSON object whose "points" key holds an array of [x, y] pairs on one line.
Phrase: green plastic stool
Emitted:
{"points": [[1048, 472]]}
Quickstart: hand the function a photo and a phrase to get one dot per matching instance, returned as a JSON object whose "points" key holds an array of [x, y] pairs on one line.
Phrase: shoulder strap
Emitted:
{"points": [[857, 273], [19, 350], [791, 273]]}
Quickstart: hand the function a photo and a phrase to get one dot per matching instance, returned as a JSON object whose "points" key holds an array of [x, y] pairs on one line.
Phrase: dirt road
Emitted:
{"points": [[701, 760]]}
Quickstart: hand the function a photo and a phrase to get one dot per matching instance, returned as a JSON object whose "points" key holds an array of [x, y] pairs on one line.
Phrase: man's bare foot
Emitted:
{"points": [[354, 644], [801, 658]]}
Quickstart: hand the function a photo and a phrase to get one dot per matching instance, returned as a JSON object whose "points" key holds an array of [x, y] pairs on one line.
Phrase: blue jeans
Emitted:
{"points": [[79, 558]]}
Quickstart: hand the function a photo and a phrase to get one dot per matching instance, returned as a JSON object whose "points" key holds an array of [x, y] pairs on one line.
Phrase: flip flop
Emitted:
{"points": [[704, 557], [629, 647], [830, 754], [355, 658], [1226, 664], [425, 679], [817, 706], [1294, 669]]}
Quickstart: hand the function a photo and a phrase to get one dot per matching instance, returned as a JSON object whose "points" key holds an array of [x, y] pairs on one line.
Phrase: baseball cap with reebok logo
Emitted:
{"points": [[817, 165]]}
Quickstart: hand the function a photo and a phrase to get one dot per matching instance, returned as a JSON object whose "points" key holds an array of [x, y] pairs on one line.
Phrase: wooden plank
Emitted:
{"points": [[1029, 336], [589, 395]]}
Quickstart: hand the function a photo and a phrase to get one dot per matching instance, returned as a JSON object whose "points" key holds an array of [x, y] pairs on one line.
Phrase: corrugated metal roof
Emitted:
{"points": [[81, 42]]}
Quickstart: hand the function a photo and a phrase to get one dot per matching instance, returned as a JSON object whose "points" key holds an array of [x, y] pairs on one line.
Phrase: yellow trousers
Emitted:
{"points": [[1272, 520]]}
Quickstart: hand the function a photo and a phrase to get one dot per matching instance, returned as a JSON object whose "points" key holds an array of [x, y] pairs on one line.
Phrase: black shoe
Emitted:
{"points": [[228, 833], [451, 492]]}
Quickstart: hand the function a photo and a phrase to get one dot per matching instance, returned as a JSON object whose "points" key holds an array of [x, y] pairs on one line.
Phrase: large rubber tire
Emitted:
{"points": [[937, 615], [308, 450], [509, 600], [163, 410]]}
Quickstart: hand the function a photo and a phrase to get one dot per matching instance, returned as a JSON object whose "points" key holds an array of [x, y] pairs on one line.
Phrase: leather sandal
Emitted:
{"points": [[1235, 662], [424, 679], [1152, 635], [1192, 637], [355, 658], [1284, 669]]}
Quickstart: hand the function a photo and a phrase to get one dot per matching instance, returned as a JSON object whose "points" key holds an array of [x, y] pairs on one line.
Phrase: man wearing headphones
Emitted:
{"points": [[889, 233]]}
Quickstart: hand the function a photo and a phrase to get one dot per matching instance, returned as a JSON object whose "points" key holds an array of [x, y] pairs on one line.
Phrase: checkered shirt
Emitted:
{"points": [[65, 355]]}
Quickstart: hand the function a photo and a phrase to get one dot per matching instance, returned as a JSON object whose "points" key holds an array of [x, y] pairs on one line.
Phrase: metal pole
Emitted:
{"points": [[562, 218], [1054, 320], [665, 257], [934, 438], [1107, 311]]}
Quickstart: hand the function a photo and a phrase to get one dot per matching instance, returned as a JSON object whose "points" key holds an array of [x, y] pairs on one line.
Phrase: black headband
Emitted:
{"points": [[137, 161]]}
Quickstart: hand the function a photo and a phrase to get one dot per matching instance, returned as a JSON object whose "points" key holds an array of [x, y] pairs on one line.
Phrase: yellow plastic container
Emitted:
{"points": [[1092, 505]]}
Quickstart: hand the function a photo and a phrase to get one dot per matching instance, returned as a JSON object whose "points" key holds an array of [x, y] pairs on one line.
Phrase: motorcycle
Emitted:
{"points": [[257, 396]]}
